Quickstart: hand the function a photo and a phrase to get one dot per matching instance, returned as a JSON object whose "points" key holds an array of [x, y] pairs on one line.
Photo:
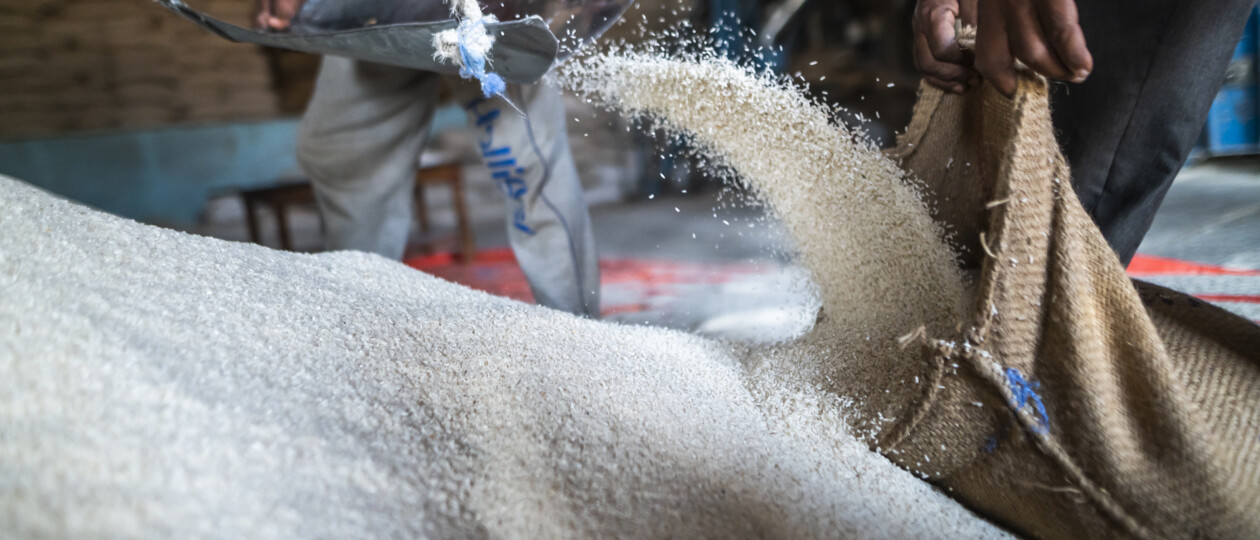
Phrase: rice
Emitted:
{"points": [[859, 225], [158, 384]]}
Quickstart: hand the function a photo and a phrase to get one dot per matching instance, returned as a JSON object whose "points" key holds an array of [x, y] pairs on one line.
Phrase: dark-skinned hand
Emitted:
{"points": [[1044, 35], [936, 51]]}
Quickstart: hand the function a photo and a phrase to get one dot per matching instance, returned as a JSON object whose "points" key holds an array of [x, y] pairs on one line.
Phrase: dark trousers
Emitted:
{"points": [[1126, 130]]}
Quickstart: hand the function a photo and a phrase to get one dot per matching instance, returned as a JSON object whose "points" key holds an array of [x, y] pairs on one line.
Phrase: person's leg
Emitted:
{"points": [[359, 144], [1127, 129], [548, 223]]}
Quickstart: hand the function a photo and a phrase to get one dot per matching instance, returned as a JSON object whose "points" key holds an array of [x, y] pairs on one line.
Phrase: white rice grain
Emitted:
{"points": [[859, 224], [155, 384]]}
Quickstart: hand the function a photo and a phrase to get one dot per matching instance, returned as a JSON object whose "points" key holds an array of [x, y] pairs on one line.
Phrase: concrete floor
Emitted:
{"points": [[709, 226], [1211, 215]]}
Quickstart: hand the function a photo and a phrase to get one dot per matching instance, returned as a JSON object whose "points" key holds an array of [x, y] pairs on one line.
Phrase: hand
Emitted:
{"points": [[276, 14], [1043, 34], [936, 52]]}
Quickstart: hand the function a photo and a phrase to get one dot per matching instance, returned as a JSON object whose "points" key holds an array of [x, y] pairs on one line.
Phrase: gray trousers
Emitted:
{"points": [[1126, 131], [362, 135]]}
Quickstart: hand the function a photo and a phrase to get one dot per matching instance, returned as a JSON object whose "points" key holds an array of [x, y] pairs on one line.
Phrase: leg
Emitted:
{"points": [[548, 224], [1127, 130], [359, 142]]}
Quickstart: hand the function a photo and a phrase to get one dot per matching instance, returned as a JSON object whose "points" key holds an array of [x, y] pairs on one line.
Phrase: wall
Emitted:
{"points": [[125, 106], [74, 66], [158, 176]]}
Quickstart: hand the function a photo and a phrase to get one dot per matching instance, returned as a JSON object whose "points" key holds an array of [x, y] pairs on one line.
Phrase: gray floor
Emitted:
{"points": [[710, 226], [1211, 215]]}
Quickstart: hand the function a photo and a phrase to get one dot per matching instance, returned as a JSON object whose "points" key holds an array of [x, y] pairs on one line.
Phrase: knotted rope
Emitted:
{"points": [[468, 44]]}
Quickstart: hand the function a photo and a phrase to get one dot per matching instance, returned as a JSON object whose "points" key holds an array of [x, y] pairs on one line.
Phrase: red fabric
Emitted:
{"points": [[1147, 265], [1241, 298], [639, 280], [495, 271]]}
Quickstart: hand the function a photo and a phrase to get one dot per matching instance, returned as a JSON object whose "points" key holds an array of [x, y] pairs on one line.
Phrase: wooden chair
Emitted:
{"points": [[452, 175], [280, 198]]}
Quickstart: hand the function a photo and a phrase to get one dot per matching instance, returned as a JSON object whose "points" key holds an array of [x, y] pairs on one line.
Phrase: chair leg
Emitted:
{"points": [[422, 217], [422, 210], [467, 243], [251, 220], [282, 224]]}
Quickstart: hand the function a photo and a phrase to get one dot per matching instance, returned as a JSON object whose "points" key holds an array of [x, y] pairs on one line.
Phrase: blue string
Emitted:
{"points": [[1024, 392], [474, 64]]}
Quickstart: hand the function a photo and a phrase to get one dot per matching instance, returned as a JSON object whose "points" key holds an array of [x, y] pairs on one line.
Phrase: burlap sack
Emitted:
{"points": [[1075, 403]]}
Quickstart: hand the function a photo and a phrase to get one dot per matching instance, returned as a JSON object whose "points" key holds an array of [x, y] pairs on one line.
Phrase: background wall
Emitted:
{"points": [[76, 66]]}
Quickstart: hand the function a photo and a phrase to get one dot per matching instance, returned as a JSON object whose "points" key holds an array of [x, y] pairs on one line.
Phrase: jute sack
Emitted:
{"points": [[1075, 403]]}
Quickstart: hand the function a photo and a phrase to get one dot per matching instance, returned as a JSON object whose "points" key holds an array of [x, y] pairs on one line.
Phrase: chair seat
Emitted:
{"points": [[279, 198]]}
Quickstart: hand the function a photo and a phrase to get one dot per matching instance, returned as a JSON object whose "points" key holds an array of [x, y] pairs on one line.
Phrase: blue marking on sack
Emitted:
{"points": [[1024, 391], [502, 164]]}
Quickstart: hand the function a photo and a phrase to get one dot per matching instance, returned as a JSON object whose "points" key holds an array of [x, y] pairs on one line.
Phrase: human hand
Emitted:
{"points": [[276, 14], [936, 52], [1043, 34]]}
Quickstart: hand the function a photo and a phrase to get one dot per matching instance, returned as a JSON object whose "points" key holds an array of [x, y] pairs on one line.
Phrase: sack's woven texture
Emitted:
{"points": [[1075, 403]]}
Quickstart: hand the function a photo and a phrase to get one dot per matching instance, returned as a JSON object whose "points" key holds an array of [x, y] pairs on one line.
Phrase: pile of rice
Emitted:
{"points": [[158, 384]]}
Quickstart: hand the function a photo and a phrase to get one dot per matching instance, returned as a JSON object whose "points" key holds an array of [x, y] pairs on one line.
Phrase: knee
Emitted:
{"points": [[308, 153], [317, 155]]}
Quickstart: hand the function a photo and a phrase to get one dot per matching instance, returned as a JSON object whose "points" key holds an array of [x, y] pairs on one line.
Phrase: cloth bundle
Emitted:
{"points": [[1075, 402]]}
